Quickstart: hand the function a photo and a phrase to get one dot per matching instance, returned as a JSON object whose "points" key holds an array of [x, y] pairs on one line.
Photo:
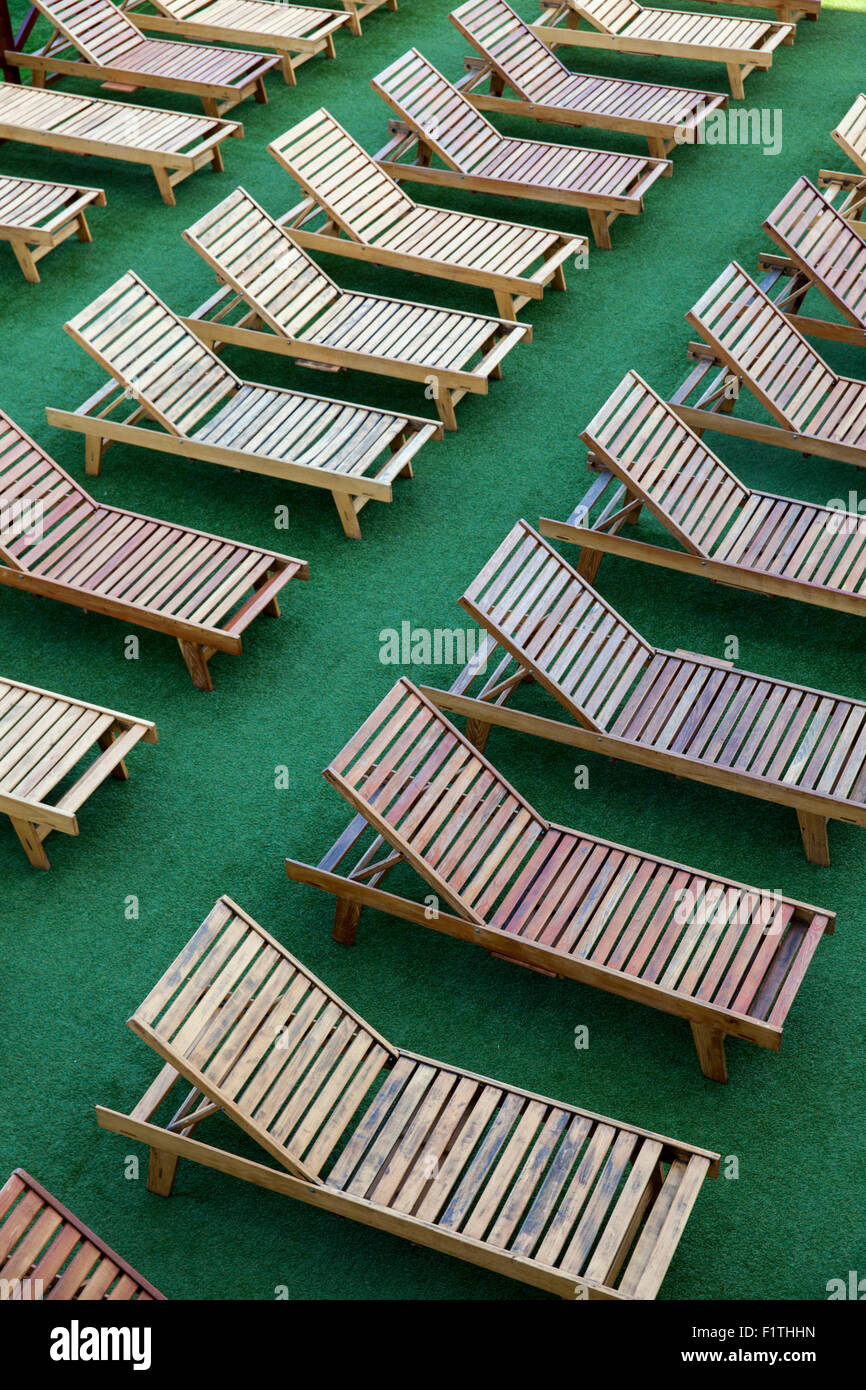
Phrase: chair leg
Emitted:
{"points": [[814, 832], [82, 231], [735, 77], [211, 107], [24, 257], [348, 515], [445, 407], [505, 305], [217, 161], [164, 184], [600, 229], [477, 732], [346, 917], [261, 95], [289, 71], [161, 1170], [588, 564], [196, 664], [710, 1043], [93, 449], [31, 843]]}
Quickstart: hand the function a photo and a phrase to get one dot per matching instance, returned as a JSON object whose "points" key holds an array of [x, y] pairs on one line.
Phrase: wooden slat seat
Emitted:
{"points": [[516, 59], [686, 714], [733, 534], [353, 208], [533, 1188], [202, 589], [756, 346], [823, 250], [441, 121], [310, 318], [96, 39], [36, 216], [168, 378], [43, 739], [625, 26], [295, 32], [47, 1253], [174, 144], [677, 939]]}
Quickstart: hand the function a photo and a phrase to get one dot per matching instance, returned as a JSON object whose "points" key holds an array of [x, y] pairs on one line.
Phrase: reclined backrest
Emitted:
{"points": [[441, 115]]}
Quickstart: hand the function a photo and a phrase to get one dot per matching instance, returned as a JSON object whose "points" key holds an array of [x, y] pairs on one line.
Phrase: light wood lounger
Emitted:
{"points": [[353, 452], [529, 1187], [647, 457], [823, 250], [275, 298], [726, 957], [516, 60], [354, 209], [47, 1253], [36, 216], [202, 589], [624, 26], [295, 32], [682, 713], [172, 143], [43, 738], [749, 342], [109, 48], [441, 121], [850, 136]]}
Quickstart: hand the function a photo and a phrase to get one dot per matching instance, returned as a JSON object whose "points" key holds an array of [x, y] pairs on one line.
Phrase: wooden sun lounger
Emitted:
{"points": [[647, 457], [108, 47], [355, 209], [43, 738], [296, 33], [202, 589], [36, 216], [694, 716], [821, 249], [352, 451], [275, 298], [515, 60], [529, 1187], [174, 144], [624, 26], [850, 188], [439, 120], [726, 957], [47, 1253], [750, 343]]}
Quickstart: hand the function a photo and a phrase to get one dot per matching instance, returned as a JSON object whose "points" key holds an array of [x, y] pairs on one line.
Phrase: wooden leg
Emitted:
{"points": [[31, 843], [163, 183], [120, 772], [346, 917], [38, 79], [735, 77], [588, 564], [505, 305], [445, 407], [216, 159], [193, 655], [633, 516], [82, 231], [710, 1043], [329, 50], [477, 732], [348, 515], [260, 93], [658, 150], [161, 1170], [289, 71], [558, 281], [25, 259], [354, 23], [93, 447], [211, 107], [814, 831], [600, 229]]}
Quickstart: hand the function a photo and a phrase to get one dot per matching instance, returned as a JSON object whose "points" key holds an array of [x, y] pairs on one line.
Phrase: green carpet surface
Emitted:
{"points": [[201, 814]]}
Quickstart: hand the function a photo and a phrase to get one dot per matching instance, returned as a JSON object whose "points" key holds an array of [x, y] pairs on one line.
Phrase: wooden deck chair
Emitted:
{"points": [[43, 739], [624, 26], [47, 1253], [515, 60], [726, 957], [529, 1187], [441, 121], [107, 47], [202, 589], [850, 188], [750, 343], [296, 33], [36, 216], [275, 298], [353, 208], [682, 713], [647, 457], [172, 143], [352, 451], [821, 249]]}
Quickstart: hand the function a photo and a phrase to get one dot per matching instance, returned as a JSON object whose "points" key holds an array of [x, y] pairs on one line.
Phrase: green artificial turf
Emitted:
{"points": [[201, 815]]}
